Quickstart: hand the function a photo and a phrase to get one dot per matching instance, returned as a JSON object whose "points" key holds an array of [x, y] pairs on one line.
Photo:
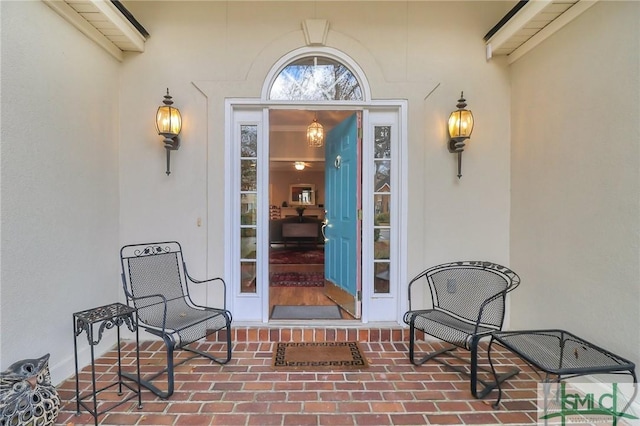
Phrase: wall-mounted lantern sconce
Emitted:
{"points": [[460, 128], [299, 165], [169, 124]]}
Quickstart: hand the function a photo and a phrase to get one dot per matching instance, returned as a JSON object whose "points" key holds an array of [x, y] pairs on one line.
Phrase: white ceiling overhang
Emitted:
{"points": [[108, 23], [529, 23]]}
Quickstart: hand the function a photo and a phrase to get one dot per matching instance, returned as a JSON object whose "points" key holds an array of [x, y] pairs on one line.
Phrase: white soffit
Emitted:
{"points": [[104, 23], [532, 23]]}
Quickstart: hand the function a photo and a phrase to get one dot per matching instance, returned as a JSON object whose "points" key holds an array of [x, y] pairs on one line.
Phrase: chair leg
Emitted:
{"points": [[474, 367], [169, 370], [472, 373], [488, 386], [426, 357], [147, 381], [224, 360]]}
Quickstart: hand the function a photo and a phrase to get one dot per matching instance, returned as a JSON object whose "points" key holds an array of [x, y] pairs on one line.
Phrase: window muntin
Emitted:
{"points": [[316, 78]]}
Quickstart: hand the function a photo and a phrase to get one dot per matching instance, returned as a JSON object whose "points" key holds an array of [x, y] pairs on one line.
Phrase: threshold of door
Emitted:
{"points": [[325, 331]]}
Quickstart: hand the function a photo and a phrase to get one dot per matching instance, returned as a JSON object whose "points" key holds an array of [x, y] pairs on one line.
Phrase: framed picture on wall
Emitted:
{"points": [[302, 194]]}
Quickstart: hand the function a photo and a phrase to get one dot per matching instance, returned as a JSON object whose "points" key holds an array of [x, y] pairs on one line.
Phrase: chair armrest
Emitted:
{"points": [[514, 282], [414, 280], [195, 281], [410, 316], [163, 300], [488, 300]]}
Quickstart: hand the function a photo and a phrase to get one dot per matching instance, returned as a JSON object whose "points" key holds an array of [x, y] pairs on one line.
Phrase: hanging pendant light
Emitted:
{"points": [[315, 134]]}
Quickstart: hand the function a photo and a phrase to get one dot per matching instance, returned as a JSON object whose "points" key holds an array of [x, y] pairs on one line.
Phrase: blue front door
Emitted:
{"points": [[342, 204]]}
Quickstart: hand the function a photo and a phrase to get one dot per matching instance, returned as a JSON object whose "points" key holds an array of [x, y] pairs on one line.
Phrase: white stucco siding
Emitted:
{"points": [[407, 51], [575, 233], [83, 167], [59, 183]]}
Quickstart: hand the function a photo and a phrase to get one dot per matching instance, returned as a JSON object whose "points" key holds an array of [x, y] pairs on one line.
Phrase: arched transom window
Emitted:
{"points": [[316, 78]]}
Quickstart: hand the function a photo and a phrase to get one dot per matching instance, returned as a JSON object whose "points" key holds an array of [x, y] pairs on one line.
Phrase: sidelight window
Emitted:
{"points": [[248, 206], [382, 209]]}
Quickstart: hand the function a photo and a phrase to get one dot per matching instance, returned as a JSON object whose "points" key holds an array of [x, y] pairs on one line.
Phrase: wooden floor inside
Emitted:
{"points": [[300, 296]]}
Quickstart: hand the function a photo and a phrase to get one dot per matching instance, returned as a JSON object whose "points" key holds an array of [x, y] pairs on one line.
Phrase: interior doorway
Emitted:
{"points": [[297, 215]]}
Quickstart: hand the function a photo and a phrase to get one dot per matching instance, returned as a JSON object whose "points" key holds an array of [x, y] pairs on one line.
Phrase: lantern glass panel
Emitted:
{"points": [[168, 121], [460, 124]]}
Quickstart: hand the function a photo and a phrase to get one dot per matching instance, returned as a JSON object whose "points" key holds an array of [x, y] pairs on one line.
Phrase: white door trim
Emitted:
{"points": [[254, 307]]}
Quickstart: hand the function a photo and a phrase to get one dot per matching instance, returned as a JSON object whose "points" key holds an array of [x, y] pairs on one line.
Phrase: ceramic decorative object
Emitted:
{"points": [[27, 396]]}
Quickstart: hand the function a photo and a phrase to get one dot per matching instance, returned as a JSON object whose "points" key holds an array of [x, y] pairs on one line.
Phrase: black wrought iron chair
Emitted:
{"points": [[468, 304], [156, 283]]}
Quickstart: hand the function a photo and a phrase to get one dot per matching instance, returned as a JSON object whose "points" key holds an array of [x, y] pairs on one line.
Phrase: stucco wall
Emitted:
{"points": [[409, 50], [83, 167], [59, 183], [576, 181]]}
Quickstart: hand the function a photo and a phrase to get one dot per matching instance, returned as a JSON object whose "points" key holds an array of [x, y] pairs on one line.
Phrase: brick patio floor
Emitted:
{"points": [[247, 391]]}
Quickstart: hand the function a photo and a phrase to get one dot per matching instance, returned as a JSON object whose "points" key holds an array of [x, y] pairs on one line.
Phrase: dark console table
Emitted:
{"points": [[300, 232], [560, 355]]}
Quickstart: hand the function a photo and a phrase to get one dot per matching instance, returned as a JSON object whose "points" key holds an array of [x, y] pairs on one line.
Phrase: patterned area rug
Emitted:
{"points": [[288, 256], [296, 279], [314, 356]]}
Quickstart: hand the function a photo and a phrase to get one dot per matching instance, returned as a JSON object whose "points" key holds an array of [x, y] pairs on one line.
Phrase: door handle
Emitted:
{"points": [[324, 225]]}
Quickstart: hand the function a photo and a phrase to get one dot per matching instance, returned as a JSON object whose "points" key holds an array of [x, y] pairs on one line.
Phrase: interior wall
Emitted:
{"points": [[280, 181], [576, 180], [207, 52], [59, 184]]}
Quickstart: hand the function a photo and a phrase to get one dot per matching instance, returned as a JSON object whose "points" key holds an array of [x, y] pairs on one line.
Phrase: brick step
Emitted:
{"points": [[282, 333]]}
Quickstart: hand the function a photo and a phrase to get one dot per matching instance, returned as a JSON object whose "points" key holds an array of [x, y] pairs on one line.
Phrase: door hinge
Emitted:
{"points": [[360, 214], [359, 295]]}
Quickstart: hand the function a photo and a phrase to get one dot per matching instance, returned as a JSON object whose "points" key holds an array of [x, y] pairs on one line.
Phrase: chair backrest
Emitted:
{"points": [[153, 269], [461, 289]]}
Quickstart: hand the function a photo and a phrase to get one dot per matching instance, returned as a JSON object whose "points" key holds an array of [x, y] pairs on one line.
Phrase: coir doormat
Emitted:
{"points": [[311, 356], [296, 279]]}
